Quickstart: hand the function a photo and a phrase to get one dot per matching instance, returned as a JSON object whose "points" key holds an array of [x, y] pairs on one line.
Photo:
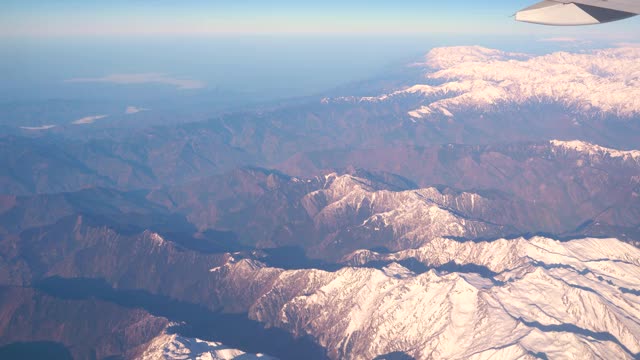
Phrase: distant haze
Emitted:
{"points": [[251, 67]]}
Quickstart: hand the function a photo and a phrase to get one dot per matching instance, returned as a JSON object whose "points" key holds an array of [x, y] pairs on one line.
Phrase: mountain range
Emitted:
{"points": [[482, 204]]}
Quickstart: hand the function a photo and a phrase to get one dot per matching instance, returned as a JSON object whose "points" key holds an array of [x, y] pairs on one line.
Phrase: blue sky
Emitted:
{"points": [[193, 17]]}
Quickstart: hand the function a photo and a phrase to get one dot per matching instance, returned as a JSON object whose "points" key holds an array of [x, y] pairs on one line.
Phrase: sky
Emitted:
{"points": [[121, 49], [46, 18]]}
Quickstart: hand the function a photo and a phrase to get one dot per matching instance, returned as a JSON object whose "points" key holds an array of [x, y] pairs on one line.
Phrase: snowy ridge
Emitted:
{"points": [[475, 78], [414, 216], [445, 57], [576, 299], [174, 347], [504, 255], [593, 150]]}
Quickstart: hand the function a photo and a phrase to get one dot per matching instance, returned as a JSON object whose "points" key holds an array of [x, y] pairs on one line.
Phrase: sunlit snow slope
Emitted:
{"points": [[476, 78], [505, 299], [173, 347]]}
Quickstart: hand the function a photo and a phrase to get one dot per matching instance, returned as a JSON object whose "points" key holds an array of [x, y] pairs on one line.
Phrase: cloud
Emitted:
{"points": [[134, 110], [88, 119], [43, 127], [144, 78], [440, 58]]}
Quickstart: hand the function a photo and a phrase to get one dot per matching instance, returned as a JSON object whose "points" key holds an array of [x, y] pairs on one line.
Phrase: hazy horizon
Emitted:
{"points": [[260, 67], [269, 51]]}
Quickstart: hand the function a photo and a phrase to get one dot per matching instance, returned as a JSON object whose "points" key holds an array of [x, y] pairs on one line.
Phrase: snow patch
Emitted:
{"points": [[88, 119]]}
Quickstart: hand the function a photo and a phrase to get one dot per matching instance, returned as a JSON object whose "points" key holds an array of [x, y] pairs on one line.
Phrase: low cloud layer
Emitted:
{"points": [[145, 78], [134, 110], [42, 127], [88, 119]]}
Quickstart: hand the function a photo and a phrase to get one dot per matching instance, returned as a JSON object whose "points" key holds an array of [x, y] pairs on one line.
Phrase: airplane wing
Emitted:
{"points": [[578, 12]]}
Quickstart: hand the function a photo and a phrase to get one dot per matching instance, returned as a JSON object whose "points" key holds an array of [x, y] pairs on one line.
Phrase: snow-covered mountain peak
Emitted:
{"points": [[343, 184], [174, 347], [154, 237], [414, 216], [445, 57], [506, 255], [479, 79], [573, 299]]}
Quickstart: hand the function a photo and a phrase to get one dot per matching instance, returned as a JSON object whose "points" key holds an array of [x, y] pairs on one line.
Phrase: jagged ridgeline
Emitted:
{"points": [[476, 204]]}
